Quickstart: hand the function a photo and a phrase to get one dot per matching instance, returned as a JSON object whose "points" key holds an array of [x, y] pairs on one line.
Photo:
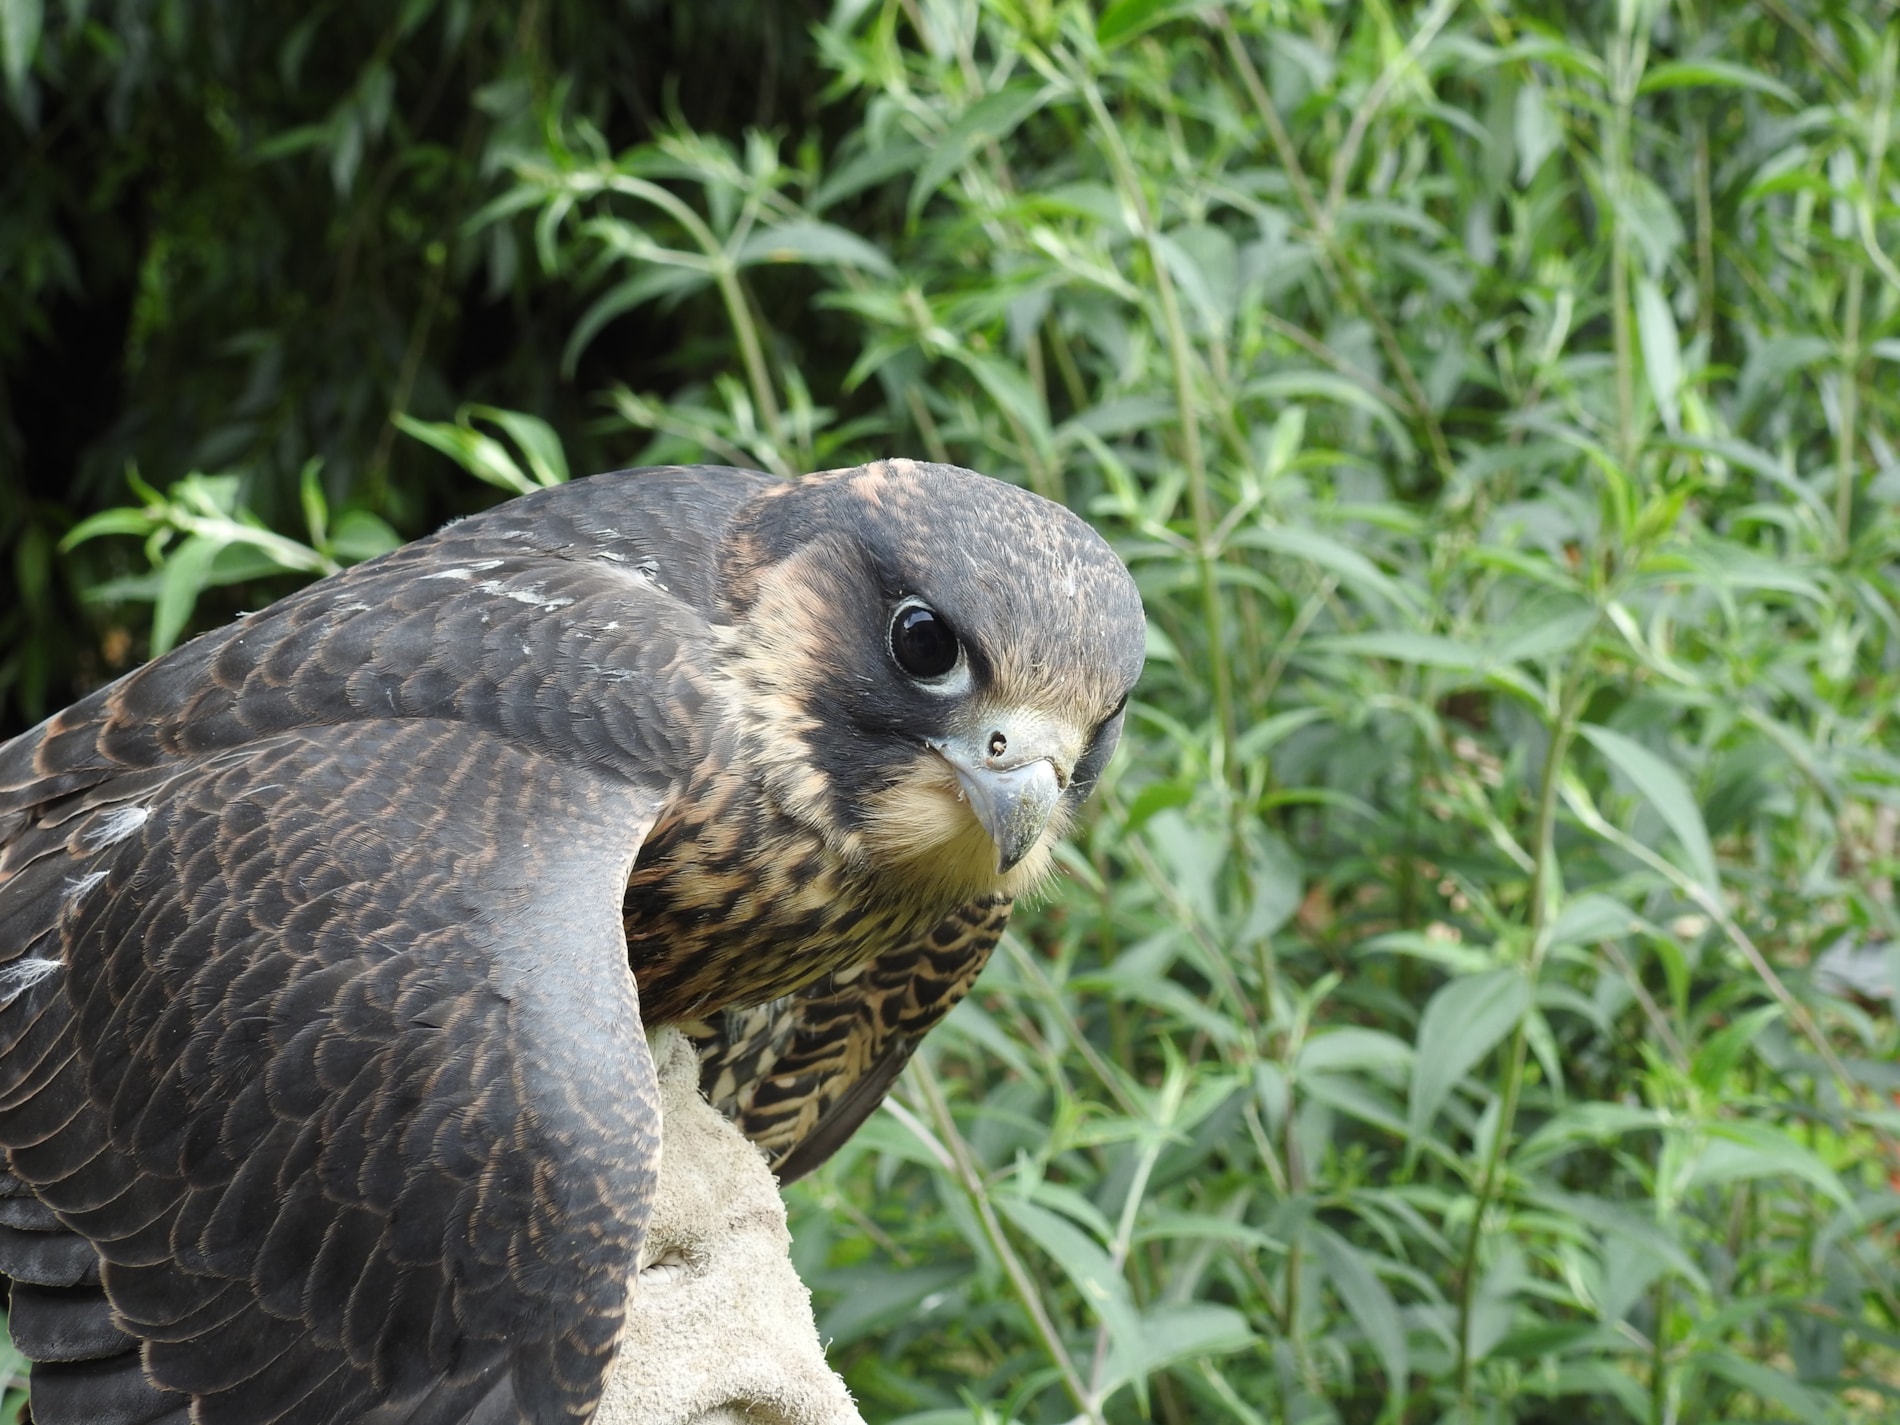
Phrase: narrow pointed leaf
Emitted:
{"points": [[1663, 787], [1464, 1022]]}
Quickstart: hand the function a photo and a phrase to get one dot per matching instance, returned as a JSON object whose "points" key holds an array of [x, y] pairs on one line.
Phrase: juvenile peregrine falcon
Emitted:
{"points": [[320, 1061]]}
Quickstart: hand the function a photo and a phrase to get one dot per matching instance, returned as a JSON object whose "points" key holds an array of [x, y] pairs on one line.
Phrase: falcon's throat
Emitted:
{"points": [[756, 881], [736, 903], [928, 831]]}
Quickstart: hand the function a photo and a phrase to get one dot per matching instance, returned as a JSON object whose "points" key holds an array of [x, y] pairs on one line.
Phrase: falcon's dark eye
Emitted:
{"points": [[922, 641]]}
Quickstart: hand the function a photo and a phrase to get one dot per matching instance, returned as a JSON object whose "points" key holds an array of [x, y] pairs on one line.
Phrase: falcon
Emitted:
{"points": [[329, 941]]}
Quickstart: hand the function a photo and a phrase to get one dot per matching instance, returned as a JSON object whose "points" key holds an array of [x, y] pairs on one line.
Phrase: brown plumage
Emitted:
{"points": [[324, 1092]]}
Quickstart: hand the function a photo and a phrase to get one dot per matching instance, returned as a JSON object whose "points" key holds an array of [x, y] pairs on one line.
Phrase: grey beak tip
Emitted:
{"points": [[1014, 804]]}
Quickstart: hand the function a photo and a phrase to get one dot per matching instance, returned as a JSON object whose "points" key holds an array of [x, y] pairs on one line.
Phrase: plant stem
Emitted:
{"points": [[1850, 412], [1625, 67], [977, 1191], [1125, 1227], [1563, 731], [725, 274], [1331, 252], [1662, 1409], [1435, 20], [1032, 973], [1181, 361], [1851, 353], [1710, 904]]}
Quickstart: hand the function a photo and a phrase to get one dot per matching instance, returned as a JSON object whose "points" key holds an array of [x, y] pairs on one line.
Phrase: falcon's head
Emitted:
{"points": [[939, 662]]}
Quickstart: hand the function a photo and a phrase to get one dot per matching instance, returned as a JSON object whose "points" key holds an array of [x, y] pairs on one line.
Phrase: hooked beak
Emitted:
{"points": [[1013, 790]]}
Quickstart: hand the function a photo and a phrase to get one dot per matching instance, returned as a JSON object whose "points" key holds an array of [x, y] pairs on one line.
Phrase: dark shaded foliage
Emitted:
{"points": [[237, 236]]}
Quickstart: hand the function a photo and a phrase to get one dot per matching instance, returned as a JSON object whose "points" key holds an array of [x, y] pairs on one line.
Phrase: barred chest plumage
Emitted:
{"points": [[734, 903]]}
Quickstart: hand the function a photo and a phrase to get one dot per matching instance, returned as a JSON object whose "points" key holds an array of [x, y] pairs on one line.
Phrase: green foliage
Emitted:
{"points": [[1497, 407], [237, 236], [543, 462], [198, 537]]}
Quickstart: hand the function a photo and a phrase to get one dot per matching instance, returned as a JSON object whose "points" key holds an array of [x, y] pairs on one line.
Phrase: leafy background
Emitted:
{"points": [[1474, 996]]}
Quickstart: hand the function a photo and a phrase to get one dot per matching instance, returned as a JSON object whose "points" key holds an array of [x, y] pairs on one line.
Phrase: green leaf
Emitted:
{"points": [[1495, 1304], [1086, 1264], [1125, 19], [483, 456], [287, 142], [1739, 1151], [186, 575], [1753, 459], [1430, 650], [1592, 916], [866, 1301], [20, 26], [1157, 797], [1205, 1227], [547, 461], [1624, 1223], [1662, 351], [316, 508], [648, 284], [14, 1367], [1597, 1378], [1663, 787], [1774, 363], [1537, 132], [1260, 739], [1123, 415], [1550, 626], [1176, 1331], [988, 120], [811, 241], [239, 562], [1726, 566], [1770, 1385], [883, 1135], [1588, 1123], [895, 154], [1368, 1302], [1353, 568], [1715, 74], [1354, 1097], [358, 535], [124, 520], [1350, 1047], [1281, 387], [1461, 1024], [1009, 386], [1651, 220], [1715, 1060], [1197, 259], [969, 1019], [215, 495]]}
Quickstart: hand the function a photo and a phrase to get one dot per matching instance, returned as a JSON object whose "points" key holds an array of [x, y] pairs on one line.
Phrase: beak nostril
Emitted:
{"points": [[999, 744]]}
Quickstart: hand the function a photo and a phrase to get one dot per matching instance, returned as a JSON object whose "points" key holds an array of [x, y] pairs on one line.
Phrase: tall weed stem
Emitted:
{"points": [[1543, 896], [1028, 1291], [1181, 365]]}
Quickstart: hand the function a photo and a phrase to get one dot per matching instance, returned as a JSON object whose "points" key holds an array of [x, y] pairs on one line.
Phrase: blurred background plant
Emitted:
{"points": [[1474, 998]]}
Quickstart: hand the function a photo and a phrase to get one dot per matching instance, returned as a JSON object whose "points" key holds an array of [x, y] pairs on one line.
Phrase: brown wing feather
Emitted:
{"points": [[800, 1074], [294, 1076], [318, 1053]]}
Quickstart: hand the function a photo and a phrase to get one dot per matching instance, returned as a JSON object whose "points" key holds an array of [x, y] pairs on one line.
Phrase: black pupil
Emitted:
{"points": [[922, 642]]}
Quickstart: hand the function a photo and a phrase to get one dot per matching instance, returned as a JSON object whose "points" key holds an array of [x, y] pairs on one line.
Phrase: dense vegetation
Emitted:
{"points": [[1474, 998]]}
